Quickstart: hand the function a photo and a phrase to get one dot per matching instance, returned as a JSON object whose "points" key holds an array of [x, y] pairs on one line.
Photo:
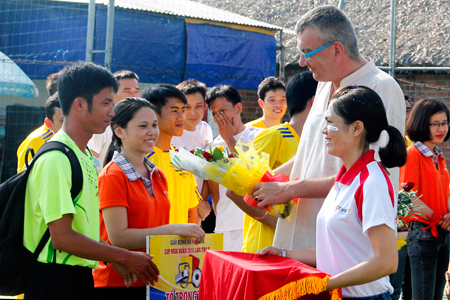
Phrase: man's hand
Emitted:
{"points": [[128, 277], [141, 265], [203, 209], [269, 250], [269, 193], [447, 286], [225, 126]]}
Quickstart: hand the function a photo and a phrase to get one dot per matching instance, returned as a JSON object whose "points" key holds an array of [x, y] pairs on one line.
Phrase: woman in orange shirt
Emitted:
{"points": [[428, 238], [133, 196]]}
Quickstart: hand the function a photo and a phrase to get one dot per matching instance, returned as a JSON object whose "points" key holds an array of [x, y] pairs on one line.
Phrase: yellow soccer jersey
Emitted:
{"points": [[281, 143], [258, 123], [182, 188], [35, 140]]}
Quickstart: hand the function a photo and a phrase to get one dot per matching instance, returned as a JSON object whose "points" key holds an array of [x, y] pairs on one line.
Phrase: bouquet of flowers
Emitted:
{"points": [[405, 207], [239, 172]]}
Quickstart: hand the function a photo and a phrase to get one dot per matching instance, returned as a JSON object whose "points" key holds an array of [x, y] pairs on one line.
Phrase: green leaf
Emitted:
{"points": [[217, 154]]}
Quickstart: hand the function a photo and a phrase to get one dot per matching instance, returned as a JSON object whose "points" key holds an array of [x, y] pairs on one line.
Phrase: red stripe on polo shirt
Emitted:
{"points": [[388, 181], [359, 194]]}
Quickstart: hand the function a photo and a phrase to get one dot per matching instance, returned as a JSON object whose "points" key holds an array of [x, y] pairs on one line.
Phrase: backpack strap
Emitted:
{"points": [[29, 150], [77, 178]]}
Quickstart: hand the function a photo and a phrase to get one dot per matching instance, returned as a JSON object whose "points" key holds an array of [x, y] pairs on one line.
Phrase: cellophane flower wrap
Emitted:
{"points": [[405, 207], [238, 172]]}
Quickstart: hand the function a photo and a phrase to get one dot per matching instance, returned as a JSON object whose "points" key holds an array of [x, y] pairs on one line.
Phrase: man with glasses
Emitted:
{"points": [[328, 47]]}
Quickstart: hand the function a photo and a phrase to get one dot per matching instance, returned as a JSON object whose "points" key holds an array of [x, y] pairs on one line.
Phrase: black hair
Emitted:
{"points": [[418, 125], [52, 83], [124, 112], [360, 103], [50, 105], [299, 90], [269, 84], [408, 99], [158, 94], [192, 86], [125, 74], [83, 79], [227, 91]]}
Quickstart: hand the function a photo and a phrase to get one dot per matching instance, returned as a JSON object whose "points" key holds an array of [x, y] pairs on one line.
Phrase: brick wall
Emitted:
{"points": [[251, 109]]}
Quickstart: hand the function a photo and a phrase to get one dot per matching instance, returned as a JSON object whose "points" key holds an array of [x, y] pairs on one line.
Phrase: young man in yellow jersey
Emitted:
{"points": [[182, 188], [196, 133], [272, 100], [53, 122], [281, 143]]}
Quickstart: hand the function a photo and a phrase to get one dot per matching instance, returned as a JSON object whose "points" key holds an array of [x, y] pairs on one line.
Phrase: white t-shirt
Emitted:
{"points": [[229, 215], [313, 161], [200, 137], [361, 198], [100, 144]]}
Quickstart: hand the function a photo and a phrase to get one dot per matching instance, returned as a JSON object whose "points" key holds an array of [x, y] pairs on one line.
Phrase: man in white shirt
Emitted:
{"points": [[328, 47], [225, 104], [196, 133], [128, 87]]}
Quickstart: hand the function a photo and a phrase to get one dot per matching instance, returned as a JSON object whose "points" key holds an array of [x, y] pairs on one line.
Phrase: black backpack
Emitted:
{"points": [[16, 262]]}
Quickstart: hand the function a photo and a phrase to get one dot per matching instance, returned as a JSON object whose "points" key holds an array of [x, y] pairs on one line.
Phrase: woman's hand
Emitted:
{"points": [[445, 222], [269, 250], [189, 230]]}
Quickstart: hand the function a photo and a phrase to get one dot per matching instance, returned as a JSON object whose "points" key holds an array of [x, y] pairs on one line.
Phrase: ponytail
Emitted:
{"points": [[394, 153], [361, 103], [113, 147]]}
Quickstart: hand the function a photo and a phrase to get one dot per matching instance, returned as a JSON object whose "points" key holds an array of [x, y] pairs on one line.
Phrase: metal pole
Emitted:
{"points": [[341, 4], [393, 32], [109, 35], [90, 30], [281, 56]]}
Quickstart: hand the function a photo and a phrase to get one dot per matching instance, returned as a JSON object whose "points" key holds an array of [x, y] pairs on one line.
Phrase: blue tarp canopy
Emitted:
{"points": [[159, 48], [13, 81]]}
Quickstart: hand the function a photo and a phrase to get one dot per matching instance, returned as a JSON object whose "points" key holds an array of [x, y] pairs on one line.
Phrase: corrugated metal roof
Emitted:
{"points": [[423, 27], [186, 8]]}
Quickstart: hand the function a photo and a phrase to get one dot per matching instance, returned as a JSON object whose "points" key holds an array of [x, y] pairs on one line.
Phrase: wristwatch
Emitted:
{"points": [[284, 253]]}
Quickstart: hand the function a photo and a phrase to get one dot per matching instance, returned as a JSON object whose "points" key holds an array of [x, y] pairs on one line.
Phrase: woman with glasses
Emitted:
{"points": [[428, 238]]}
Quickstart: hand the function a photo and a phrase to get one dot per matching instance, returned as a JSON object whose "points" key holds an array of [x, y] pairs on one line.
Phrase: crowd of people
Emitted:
{"points": [[345, 142]]}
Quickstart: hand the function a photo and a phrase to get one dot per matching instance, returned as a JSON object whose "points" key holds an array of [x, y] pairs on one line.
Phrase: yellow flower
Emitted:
{"points": [[221, 148]]}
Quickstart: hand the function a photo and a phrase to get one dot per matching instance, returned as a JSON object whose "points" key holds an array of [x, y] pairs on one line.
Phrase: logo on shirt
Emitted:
{"points": [[342, 210]]}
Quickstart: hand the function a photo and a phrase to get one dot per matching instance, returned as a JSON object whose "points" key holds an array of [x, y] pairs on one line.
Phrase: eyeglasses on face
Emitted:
{"points": [[309, 54], [437, 125]]}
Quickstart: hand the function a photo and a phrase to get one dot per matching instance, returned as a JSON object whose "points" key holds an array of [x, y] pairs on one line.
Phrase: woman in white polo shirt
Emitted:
{"points": [[356, 226]]}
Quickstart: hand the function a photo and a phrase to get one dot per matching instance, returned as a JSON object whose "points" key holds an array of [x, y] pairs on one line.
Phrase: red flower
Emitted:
{"points": [[192, 151], [207, 155], [231, 155], [408, 186]]}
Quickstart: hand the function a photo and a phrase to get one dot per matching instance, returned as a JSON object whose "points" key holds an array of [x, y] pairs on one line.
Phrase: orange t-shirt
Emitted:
{"points": [[143, 211], [429, 182]]}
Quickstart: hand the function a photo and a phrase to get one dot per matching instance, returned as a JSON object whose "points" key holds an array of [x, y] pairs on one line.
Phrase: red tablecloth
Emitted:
{"points": [[237, 275]]}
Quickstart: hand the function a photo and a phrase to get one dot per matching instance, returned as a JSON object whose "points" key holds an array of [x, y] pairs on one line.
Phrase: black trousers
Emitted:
{"points": [[56, 281], [121, 293]]}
